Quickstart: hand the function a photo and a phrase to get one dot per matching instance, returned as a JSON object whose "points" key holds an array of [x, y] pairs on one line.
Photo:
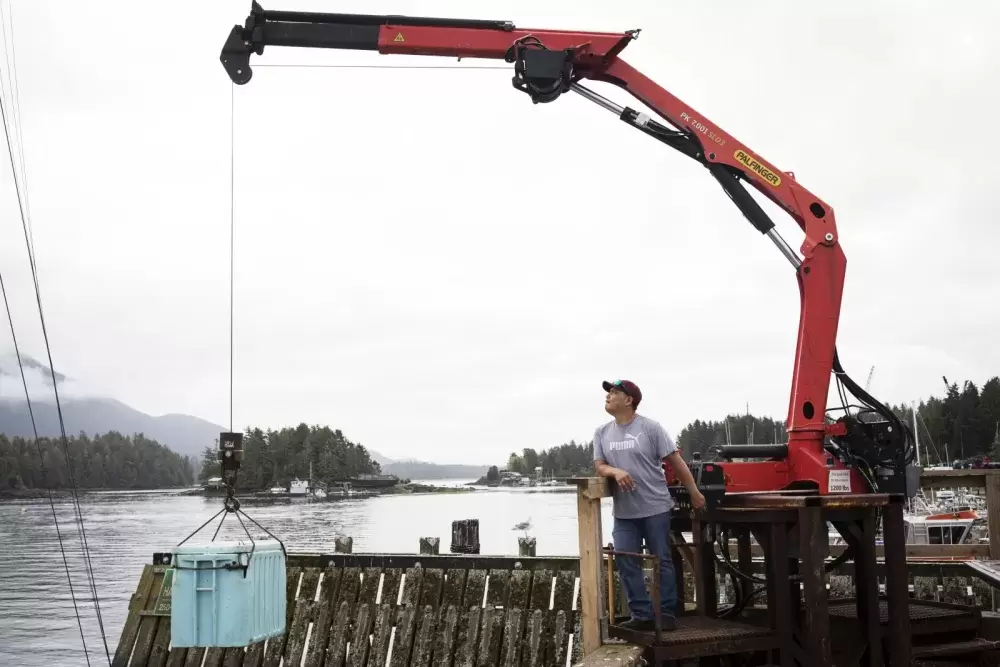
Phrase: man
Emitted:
{"points": [[630, 450]]}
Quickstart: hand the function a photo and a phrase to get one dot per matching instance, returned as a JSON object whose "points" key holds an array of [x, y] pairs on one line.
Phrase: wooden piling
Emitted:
{"points": [[429, 545], [465, 536], [526, 546]]}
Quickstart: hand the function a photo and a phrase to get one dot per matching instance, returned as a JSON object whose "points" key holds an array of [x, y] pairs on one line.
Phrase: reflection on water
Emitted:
{"points": [[123, 529]]}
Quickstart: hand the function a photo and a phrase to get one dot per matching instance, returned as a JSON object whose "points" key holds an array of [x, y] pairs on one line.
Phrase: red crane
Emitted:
{"points": [[869, 449]]}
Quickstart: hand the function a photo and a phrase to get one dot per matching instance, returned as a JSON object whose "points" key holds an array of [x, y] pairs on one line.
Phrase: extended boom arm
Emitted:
{"points": [[547, 63]]}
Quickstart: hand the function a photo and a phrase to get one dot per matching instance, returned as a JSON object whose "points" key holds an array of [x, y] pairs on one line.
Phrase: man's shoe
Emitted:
{"points": [[667, 624], [639, 624]]}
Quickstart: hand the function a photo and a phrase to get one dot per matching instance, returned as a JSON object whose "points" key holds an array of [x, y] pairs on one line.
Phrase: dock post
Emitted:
{"points": [[465, 536], [525, 546], [429, 545], [589, 492], [343, 544]]}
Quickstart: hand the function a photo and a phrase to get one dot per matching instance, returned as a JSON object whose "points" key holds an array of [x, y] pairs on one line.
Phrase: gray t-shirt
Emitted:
{"points": [[637, 448]]}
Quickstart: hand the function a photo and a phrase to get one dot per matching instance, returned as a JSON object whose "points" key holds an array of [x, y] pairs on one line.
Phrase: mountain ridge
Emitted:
{"points": [[87, 412]]}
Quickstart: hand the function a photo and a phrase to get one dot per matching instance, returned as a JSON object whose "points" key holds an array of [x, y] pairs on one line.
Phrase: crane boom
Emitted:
{"points": [[843, 456]]}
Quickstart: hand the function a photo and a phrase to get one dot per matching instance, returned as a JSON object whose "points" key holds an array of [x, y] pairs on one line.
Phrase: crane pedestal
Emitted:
{"points": [[790, 529]]}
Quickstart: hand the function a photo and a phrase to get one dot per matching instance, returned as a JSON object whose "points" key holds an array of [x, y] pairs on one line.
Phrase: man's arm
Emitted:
{"points": [[603, 469], [687, 479], [668, 452]]}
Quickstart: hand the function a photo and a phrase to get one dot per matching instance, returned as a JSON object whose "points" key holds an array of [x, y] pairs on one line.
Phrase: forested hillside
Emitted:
{"points": [[109, 461], [963, 423], [274, 457], [563, 460]]}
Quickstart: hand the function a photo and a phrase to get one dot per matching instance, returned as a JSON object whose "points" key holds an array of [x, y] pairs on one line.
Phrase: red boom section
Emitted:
{"points": [[820, 276]]}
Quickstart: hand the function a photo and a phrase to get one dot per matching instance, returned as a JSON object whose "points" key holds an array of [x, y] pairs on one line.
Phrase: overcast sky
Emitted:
{"points": [[446, 271]]}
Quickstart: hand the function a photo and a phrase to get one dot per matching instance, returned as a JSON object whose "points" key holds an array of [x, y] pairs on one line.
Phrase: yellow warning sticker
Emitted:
{"points": [[756, 167], [399, 37]]}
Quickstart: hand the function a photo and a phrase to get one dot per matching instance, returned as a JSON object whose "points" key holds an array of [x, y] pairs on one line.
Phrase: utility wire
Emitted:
{"points": [[45, 473], [11, 56], [55, 386]]}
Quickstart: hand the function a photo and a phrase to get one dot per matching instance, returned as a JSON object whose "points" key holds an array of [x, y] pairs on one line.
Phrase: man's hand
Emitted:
{"points": [[624, 480], [697, 500], [683, 474]]}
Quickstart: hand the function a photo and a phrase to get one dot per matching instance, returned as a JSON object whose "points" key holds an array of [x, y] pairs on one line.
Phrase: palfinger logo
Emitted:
{"points": [[756, 167]]}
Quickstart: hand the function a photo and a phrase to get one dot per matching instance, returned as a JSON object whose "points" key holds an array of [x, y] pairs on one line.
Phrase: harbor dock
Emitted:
{"points": [[778, 594]]}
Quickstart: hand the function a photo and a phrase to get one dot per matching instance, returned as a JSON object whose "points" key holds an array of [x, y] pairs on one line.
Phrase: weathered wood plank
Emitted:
{"points": [[194, 658], [475, 587], [533, 654], [468, 636], [541, 589], [148, 624], [213, 657], [306, 607], [371, 577], [233, 657], [276, 645], [518, 589], [577, 648], [445, 640], [431, 588], [323, 616], [333, 648], [178, 657], [513, 632], [381, 632], [308, 583], [411, 587], [336, 649], [350, 586], [403, 642], [255, 655], [564, 587], [138, 602], [490, 636], [161, 642], [357, 655], [453, 589], [497, 589], [390, 586], [296, 642], [423, 644], [560, 623]]}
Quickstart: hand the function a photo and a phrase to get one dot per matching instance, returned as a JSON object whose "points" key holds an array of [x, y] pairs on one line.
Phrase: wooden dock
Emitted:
{"points": [[469, 610], [440, 610]]}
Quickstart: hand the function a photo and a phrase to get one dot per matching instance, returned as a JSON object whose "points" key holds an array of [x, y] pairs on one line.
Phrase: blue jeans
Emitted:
{"points": [[628, 535]]}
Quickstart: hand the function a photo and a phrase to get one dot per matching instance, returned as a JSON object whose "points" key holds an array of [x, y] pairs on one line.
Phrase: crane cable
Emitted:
{"points": [[81, 529], [232, 237]]}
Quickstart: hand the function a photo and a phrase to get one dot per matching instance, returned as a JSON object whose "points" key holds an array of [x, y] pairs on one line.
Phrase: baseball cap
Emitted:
{"points": [[628, 387]]}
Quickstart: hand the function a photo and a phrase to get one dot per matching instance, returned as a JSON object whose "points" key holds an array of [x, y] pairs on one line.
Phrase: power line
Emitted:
{"points": [[45, 472], [55, 387]]}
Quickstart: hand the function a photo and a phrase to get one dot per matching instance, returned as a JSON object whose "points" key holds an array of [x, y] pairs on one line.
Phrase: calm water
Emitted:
{"points": [[37, 624]]}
